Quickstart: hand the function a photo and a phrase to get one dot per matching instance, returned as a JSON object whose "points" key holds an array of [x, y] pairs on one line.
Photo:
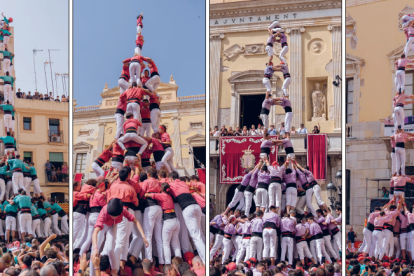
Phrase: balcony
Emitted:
{"points": [[61, 180], [192, 98], [55, 137], [87, 108], [299, 144]]}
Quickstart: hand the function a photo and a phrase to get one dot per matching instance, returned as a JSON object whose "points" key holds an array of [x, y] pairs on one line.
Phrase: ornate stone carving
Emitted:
{"points": [[233, 51], [166, 97], [84, 132], [329, 68], [316, 46], [109, 130], [351, 31], [255, 49], [277, 48], [111, 103], [318, 104], [407, 9]]}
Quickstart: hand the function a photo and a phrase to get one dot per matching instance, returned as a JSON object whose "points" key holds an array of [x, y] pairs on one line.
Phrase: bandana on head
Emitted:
{"points": [[163, 128]]}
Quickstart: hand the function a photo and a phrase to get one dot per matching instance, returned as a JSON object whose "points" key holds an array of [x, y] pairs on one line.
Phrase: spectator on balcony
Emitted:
{"points": [[24, 95], [29, 96], [238, 132], [245, 132], [65, 170], [282, 128], [51, 97], [64, 99], [316, 129], [59, 175], [54, 177], [215, 132], [253, 131], [57, 99], [385, 193], [36, 96], [19, 93], [223, 132], [49, 167], [292, 130], [272, 130], [259, 130], [41, 97], [46, 97], [302, 129], [230, 132]]}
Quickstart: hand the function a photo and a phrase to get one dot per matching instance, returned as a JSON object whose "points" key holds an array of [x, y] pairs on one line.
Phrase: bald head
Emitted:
{"points": [[197, 263], [146, 265], [139, 272]]}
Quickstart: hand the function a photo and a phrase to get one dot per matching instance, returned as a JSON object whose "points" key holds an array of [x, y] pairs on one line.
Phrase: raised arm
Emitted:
{"points": [[43, 245]]}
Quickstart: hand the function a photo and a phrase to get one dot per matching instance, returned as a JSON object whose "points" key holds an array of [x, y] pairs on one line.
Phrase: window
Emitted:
{"points": [[348, 196], [80, 163], [27, 156], [27, 123], [408, 108], [54, 127], [349, 99], [59, 197]]}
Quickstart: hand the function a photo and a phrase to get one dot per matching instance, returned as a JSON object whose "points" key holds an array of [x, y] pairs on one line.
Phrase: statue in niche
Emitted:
{"points": [[318, 103]]}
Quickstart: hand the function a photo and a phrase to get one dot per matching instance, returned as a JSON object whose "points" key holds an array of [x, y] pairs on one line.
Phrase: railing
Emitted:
{"points": [[87, 108], [55, 138], [62, 178], [192, 98]]}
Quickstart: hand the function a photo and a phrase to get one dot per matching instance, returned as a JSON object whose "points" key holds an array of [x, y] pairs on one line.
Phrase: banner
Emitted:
{"points": [[202, 175], [238, 153], [389, 125], [317, 155]]}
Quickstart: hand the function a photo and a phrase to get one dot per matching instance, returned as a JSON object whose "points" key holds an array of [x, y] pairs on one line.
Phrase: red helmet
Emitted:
{"points": [[10, 19]]}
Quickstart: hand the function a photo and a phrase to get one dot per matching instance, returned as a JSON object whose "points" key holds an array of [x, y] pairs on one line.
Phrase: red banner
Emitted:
{"points": [[238, 153], [202, 175], [317, 155]]}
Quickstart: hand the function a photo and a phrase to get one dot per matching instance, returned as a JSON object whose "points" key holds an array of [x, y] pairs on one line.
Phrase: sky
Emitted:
{"points": [[104, 35], [40, 24]]}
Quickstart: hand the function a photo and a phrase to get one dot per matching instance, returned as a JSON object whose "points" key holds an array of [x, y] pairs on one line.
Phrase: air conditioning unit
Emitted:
{"points": [[55, 139]]}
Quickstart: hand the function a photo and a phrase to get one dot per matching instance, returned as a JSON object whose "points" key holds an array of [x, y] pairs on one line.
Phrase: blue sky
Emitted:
{"points": [[104, 35], [41, 24]]}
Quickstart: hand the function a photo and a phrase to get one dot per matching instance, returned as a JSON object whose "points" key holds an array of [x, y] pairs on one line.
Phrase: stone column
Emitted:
{"points": [[336, 71], [101, 140], [295, 66], [176, 141], [215, 51]]}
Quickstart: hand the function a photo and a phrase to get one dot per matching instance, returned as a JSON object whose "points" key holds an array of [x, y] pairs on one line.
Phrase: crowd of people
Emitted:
{"points": [[41, 97], [135, 216], [284, 234], [253, 131]]}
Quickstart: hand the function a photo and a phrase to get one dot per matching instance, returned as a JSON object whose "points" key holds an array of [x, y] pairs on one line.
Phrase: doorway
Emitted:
{"points": [[250, 107], [229, 197], [200, 154]]}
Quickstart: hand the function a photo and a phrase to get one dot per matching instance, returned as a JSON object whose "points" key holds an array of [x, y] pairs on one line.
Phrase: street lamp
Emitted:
{"points": [[331, 193]]}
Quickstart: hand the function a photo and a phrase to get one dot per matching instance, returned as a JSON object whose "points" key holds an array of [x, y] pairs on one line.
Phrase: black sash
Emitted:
{"points": [[325, 232], [257, 234], [241, 188], [288, 109], [318, 236], [269, 225], [287, 75], [289, 150], [287, 234], [120, 111], [158, 155], [264, 111], [370, 227], [213, 230], [96, 209], [166, 216], [400, 145], [250, 189], [265, 150], [62, 213], [154, 106], [291, 185]]}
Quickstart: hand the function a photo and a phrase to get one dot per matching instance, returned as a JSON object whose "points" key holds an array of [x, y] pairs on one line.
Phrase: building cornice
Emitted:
{"points": [[269, 6]]}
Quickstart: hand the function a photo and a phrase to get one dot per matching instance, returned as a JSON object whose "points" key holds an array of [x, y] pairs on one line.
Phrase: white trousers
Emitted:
{"points": [[47, 224], [403, 241], [283, 53], [8, 94], [153, 228], [36, 186], [108, 233], [267, 84], [6, 40], [396, 248], [248, 197], [288, 120], [117, 165], [10, 223], [285, 85], [261, 198], [17, 179], [309, 197], [291, 196], [153, 83], [6, 65], [55, 225], [155, 119], [287, 247], [270, 241], [64, 224], [168, 160], [170, 235], [377, 239], [2, 189], [226, 249], [135, 72], [244, 251], [13, 121], [27, 181], [367, 241], [138, 51], [338, 239], [218, 242], [400, 160], [393, 163], [79, 221], [137, 243], [132, 137], [256, 246], [237, 198], [192, 216], [120, 120], [184, 236], [124, 229], [97, 169], [269, 51], [275, 195], [321, 251], [400, 80], [317, 192], [123, 85], [399, 118], [300, 205], [90, 227], [26, 223], [329, 248], [408, 47], [265, 120], [9, 189], [387, 239], [146, 128], [36, 231], [135, 109], [303, 250], [8, 122]]}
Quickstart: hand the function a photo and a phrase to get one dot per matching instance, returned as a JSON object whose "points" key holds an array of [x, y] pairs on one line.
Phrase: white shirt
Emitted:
{"points": [[216, 134], [302, 130], [253, 132], [282, 130]]}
